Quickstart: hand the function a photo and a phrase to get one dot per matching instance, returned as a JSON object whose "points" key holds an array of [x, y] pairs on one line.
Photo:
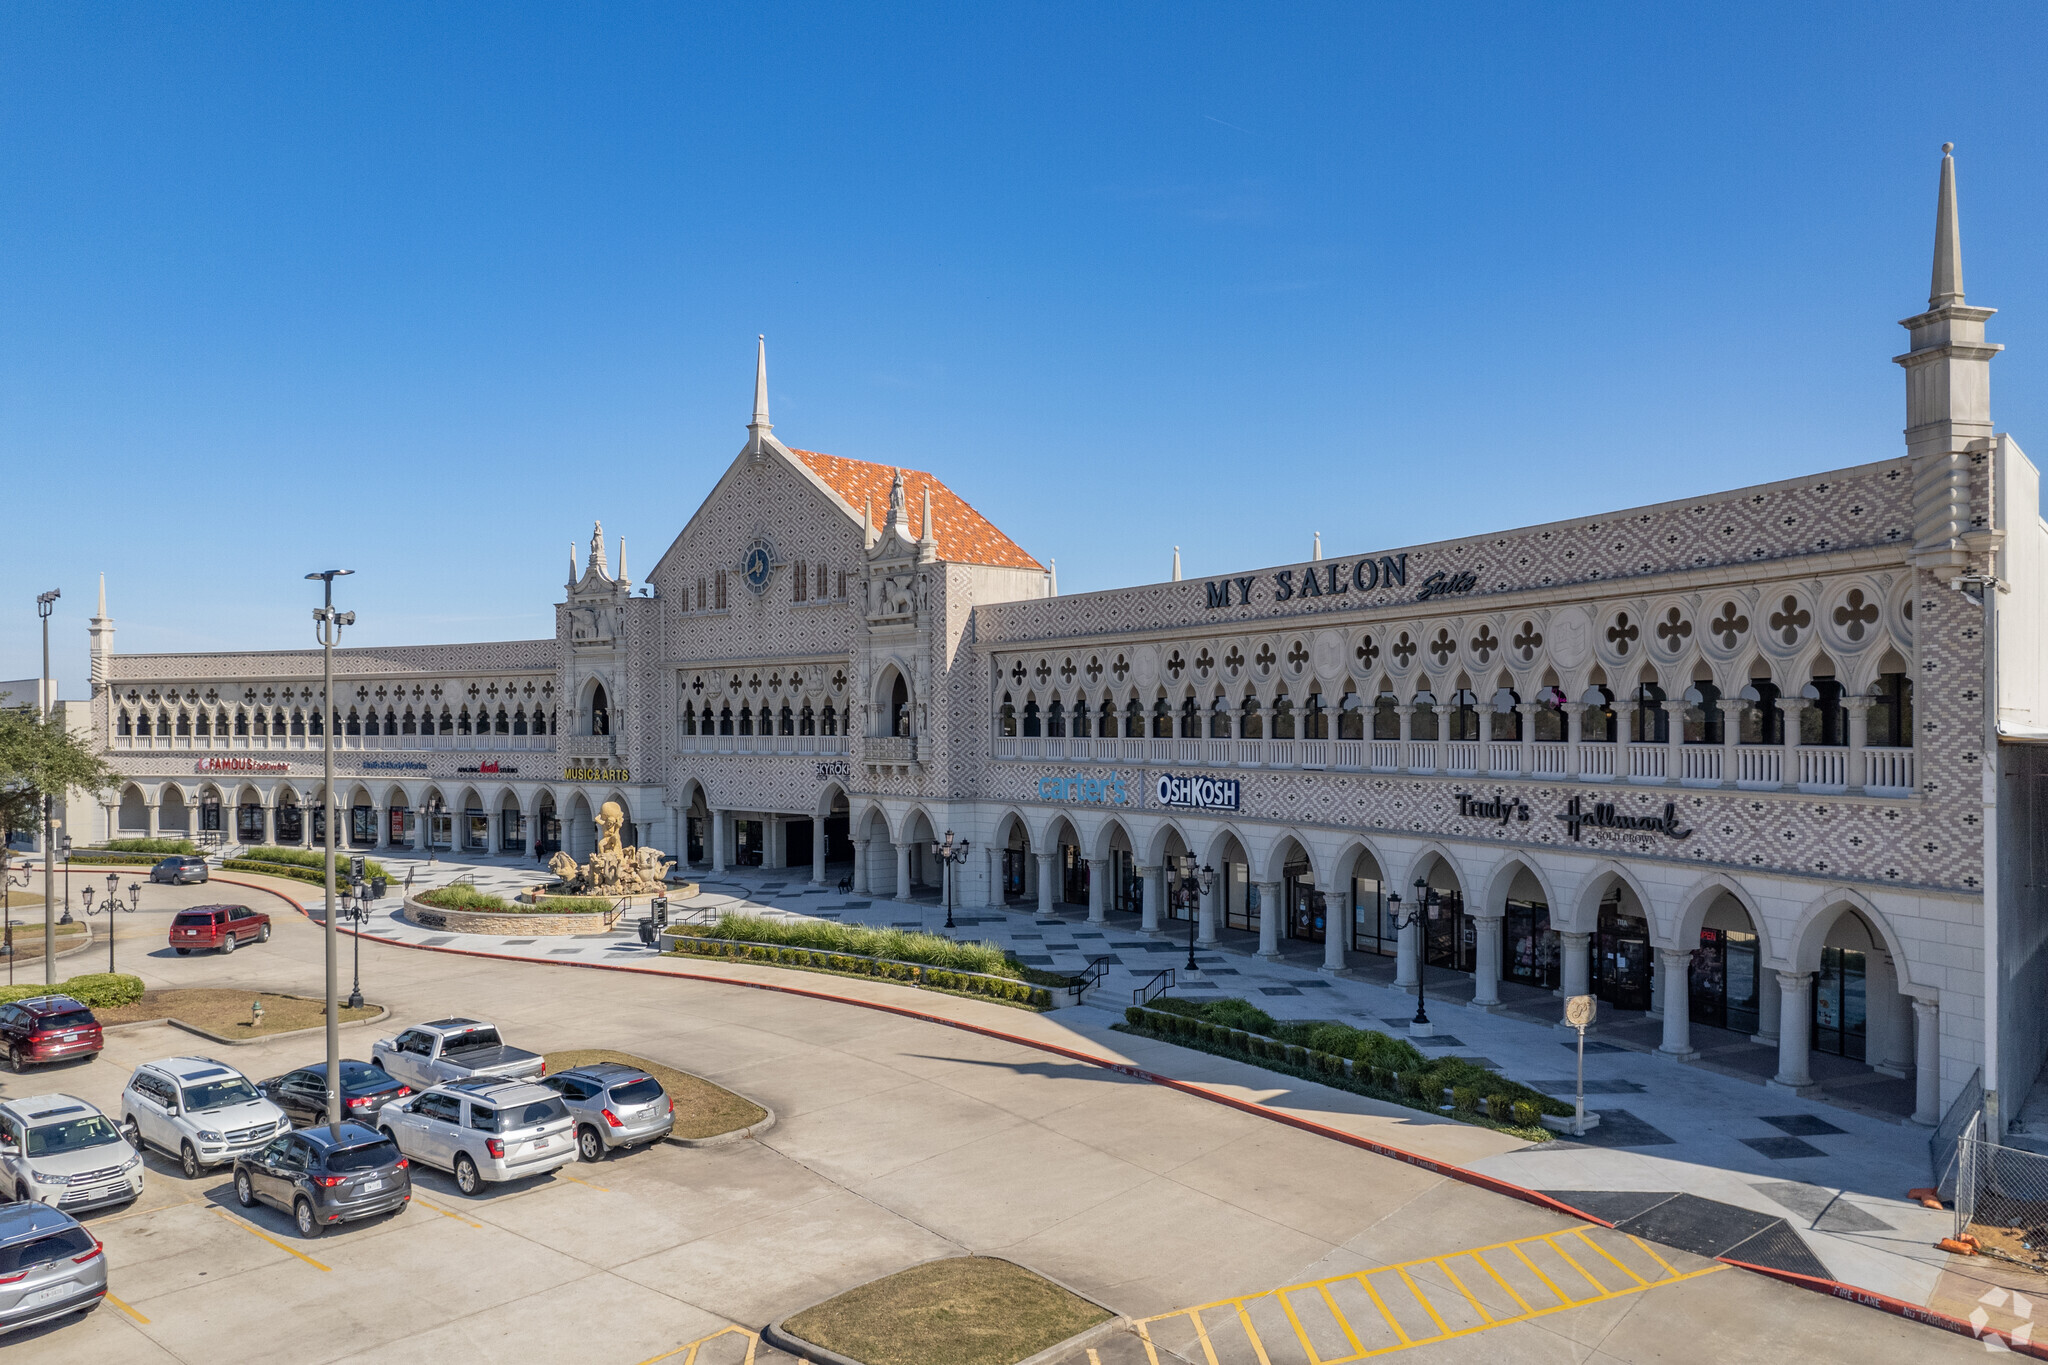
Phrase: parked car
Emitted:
{"points": [[614, 1105], [450, 1049], [483, 1129], [225, 927], [49, 1266], [63, 1152], [48, 1028], [324, 1176], [200, 1111], [302, 1094], [180, 869]]}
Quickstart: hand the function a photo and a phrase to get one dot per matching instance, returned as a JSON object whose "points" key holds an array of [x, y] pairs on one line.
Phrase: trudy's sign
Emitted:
{"points": [[1339, 579]]}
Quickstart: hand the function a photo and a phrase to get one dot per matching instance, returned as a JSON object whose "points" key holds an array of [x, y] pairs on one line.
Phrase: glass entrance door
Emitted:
{"points": [[1449, 939], [694, 824], [1306, 906], [1723, 979], [1241, 898], [1621, 960], [209, 817], [1372, 928], [1074, 876], [1838, 1004], [1531, 956], [249, 823], [1013, 872], [362, 826]]}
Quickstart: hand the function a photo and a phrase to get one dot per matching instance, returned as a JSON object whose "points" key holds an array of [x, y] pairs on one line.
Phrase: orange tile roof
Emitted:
{"points": [[965, 536]]}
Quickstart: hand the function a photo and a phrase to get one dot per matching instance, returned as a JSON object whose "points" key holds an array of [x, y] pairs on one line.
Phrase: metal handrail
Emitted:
{"points": [[1161, 979], [1091, 975]]}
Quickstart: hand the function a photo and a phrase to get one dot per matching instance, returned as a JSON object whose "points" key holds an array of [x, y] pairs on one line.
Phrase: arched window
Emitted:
{"points": [[1162, 719], [1078, 720], [1823, 720], [600, 711], [315, 724], [725, 719], [1597, 723], [1250, 724], [242, 723], [541, 724], [1006, 718], [447, 722], [519, 721], [1890, 724], [1461, 716], [1551, 725], [1652, 722], [788, 719], [204, 726], [829, 721], [355, 723], [1190, 719], [899, 708], [262, 724], [1423, 724], [1386, 721], [1134, 719], [689, 718], [462, 721], [1350, 718], [1031, 718], [185, 724], [410, 725], [1313, 717], [1507, 721], [1283, 718], [390, 721], [1701, 714], [504, 722], [807, 723], [125, 725], [746, 719], [1056, 720], [1219, 719], [278, 724], [1107, 729]]}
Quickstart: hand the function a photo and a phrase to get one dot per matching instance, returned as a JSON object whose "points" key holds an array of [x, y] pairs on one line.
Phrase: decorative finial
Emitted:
{"points": [[1947, 285], [1947, 147], [927, 538], [1176, 563], [760, 425], [1319, 546]]}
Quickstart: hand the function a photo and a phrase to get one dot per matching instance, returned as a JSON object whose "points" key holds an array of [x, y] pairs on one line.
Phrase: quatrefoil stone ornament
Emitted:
{"points": [[1789, 620], [1527, 641], [1623, 633], [1674, 630], [1729, 625], [1484, 643], [1854, 615]]}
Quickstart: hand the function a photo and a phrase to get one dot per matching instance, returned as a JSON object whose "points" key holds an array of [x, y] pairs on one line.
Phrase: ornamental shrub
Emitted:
{"points": [[1526, 1114], [1297, 1056], [1239, 1040], [94, 990], [1234, 1013], [161, 847], [1464, 1099]]}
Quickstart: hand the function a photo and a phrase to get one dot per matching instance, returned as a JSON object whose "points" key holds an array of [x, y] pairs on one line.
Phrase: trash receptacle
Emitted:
{"points": [[648, 936]]}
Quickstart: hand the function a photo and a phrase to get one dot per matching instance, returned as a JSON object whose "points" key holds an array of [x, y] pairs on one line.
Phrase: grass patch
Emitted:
{"points": [[968, 1310], [1009, 990], [28, 940], [702, 1109], [930, 950], [226, 1012]]}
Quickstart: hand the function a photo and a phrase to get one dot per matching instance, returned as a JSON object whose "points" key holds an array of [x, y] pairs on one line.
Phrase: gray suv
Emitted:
{"points": [[482, 1128], [49, 1266], [614, 1106], [179, 870]]}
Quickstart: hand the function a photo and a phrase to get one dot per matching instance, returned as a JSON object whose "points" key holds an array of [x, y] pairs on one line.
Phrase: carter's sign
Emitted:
{"points": [[1191, 792], [1093, 791]]}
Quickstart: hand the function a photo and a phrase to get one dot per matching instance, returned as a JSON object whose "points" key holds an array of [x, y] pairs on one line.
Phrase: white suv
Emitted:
{"points": [[61, 1151], [483, 1128], [198, 1110]]}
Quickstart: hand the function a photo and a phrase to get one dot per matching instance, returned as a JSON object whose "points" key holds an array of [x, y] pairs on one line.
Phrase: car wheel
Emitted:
{"points": [[17, 1058], [184, 952], [466, 1178], [227, 945], [389, 1136], [188, 1160], [263, 934], [132, 1132], [245, 1193], [309, 1226], [589, 1146]]}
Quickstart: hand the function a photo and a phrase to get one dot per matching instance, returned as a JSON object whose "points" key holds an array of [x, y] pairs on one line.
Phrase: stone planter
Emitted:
{"points": [[677, 891], [502, 923]]}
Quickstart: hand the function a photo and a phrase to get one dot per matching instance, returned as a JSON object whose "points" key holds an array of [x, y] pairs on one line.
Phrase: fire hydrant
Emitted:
{"points": [[256, 1014]]}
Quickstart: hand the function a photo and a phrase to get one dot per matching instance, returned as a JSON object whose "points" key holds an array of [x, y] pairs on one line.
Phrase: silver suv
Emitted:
{"points": [[614, 1105], [49, 1266], [204, 1113], [482, 1128], [65, 1153]]}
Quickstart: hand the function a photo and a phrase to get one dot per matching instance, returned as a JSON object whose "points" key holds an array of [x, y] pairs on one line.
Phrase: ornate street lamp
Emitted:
{"points": [[109, 906], [952, 855], [1428, 905], [1195, 883], [359, 911], [7, 885], [45, 604]]}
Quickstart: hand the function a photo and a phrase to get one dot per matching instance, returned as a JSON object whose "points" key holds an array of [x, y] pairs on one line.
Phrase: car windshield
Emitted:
{"points": [[367, 1157], [361, 1076], [472, 1039], [68, 1019], [643, 1091], [194, 917], [71, 1241], [71, 1136], [526, 1115], [218, 1094]]}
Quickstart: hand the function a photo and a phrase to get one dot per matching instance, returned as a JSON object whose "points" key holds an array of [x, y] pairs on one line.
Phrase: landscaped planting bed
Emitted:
{"points": [[965, 1310], [94, 990], [929, 961], [1363, 1061], [462, 896], [1002, 990], [305, 865], [226, 1013]]}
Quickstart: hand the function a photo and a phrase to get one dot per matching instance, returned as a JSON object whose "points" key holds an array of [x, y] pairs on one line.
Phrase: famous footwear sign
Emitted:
{"points": [[1190, 791], [238, 765]]}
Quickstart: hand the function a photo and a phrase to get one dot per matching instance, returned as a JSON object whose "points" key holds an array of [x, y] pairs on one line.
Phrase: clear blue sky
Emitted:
{"points": [[420, 290]]}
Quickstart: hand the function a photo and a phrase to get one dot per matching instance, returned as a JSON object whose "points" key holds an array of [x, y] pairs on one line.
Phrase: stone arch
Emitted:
{"points": [[1276, 856], [893, 691], [830, 795], [1701, 898], [1103, 838], [1584, 909], [131, 811], [1160, 841], [579, 826], [1810, 931], [1344, 862], [1500, 885], [1421, 861]]}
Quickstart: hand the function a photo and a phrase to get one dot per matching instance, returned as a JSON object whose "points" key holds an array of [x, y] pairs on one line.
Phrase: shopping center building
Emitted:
{"points": [[1775, 746]]}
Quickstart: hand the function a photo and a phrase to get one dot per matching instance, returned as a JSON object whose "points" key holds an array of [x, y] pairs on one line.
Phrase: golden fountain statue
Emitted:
{"points": [[613, 870]]}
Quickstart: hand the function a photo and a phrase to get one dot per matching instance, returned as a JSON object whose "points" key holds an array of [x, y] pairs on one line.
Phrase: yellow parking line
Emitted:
{"points": [[584, 1183], [1251, 1334], [1561, 1295], [1381, 1304], [1342, 1321], [1442, 1327], [1644, 1247], [1611, 1257], [693, 1347], [1300, 1332], [443, 1212], [126, 1309], [136, 1213], [258, 1232], [1444, 1263], [1591, 1279], [1202, 1334]]}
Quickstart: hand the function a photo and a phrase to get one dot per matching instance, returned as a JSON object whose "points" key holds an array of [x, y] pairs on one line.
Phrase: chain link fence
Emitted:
{"points": [[2001, 1199]]}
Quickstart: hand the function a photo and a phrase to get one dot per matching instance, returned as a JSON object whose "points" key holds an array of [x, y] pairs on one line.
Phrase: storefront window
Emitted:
{"points": [[1372, 925], [1449, 939], [1530, 951], [1621, 957], [1722, 980], [1838, 1004]]}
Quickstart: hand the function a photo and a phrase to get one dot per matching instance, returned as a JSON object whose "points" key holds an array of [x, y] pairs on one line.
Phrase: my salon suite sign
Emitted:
{"points": [[1338, 578]]}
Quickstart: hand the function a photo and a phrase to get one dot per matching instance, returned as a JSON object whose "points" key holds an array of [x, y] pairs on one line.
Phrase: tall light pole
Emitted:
{"points": [[45, 604], [327, 624]]}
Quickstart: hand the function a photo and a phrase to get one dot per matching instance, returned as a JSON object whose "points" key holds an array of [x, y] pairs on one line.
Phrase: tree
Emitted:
{"points": [[39, 758]]}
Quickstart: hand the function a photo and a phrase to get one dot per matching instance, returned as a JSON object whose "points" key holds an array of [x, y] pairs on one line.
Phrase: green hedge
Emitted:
{"points": [[1417, 1082], [848, 964], [932, 950], [95, 858], [315, 858], [463, 896], [94, 990], [160, 847]]}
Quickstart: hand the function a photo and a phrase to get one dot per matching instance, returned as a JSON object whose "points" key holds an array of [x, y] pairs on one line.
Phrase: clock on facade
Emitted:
{"points": [[757, 565]]}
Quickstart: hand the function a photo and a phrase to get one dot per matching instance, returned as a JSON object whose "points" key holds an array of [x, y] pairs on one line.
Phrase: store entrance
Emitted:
{"points": [[1449, 940], [746, 843], [1531, 957], [1839, 1003], [1722, 980], [1621, 957], [1306, 906]]}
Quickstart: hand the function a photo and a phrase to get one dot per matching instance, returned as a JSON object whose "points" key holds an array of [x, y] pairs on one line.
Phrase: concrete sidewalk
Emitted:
{"points": [[1836, 1174]]}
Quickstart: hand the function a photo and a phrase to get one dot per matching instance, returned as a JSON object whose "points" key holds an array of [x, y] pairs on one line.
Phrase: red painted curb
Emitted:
{"points": [[1832, 1288]]}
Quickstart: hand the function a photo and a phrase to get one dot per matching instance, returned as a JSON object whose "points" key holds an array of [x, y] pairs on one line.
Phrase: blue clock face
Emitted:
{"points": [[757, 566]]}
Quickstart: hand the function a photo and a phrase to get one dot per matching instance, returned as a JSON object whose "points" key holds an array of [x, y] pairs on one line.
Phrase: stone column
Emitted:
{"points": [[1336, 929], [1673, 966], [1575, 967], [1795, 993], [1731, 738], [860, 867], [817, 850], [1624, 736], [1926, 1062], [718, 823], [1767, 1008], [1657, 983], [1525, 763], [1859, 736], [1405, 713], [1791, 707], [1098, 890], [1408, 956], [1674, 736], [1486, 960], [1207, 914], [1574, 735], [1154, 881], [902, 891], [154, 817], [1270, 912], [419, 829], [1045, 881]]}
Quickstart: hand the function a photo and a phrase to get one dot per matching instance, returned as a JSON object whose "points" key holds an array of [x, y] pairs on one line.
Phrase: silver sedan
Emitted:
{"points": [[614, 1106]]}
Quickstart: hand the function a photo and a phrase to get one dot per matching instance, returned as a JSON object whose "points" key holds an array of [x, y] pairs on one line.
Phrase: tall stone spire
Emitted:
{"points": [[760, 426], [1176, 563], [573, 575], [598, 562], [1948, 396], [622, 561], [1318, 552], [101, 631], [867, 523]]}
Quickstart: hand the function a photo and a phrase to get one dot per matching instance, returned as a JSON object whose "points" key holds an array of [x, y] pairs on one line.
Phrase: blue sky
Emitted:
{"points": [[421, 290]]}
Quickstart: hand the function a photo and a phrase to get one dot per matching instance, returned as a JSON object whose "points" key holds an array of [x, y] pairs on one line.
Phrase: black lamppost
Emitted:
{"points": [[952, 855], [1195, 883], [7, 885], [359, 911], [110, 905], [66, 845], [1428, 905]]}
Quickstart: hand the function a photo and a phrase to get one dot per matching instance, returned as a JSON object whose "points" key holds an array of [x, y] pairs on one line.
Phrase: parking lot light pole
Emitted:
{"points": [[45, 604], [327, 624]]}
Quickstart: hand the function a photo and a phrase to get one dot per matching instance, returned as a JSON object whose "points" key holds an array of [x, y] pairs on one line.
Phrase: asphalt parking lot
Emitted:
{"points": [[895, 1141]]}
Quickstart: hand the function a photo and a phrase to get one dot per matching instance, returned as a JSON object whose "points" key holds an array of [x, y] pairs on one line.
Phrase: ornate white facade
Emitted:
{"points": [[1752, 724]]}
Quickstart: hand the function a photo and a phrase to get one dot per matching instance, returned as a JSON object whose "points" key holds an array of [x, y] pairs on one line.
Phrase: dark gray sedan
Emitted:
{"points": [[320, 1176], [614, 1106]]}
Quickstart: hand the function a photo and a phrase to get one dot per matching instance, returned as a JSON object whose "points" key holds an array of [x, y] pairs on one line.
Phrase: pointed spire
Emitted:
{"points": [[867, 523], [1947, 286], [598, 562], [101, 615], [1319, 546], [1052, 577], [927, 538], [760, 426], [1176, 563], [622, 561], [573, 575]]}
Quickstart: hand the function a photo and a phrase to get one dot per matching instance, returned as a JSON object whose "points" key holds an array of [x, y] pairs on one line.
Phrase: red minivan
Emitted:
{"points": [[48, 1028], [218, 926]]}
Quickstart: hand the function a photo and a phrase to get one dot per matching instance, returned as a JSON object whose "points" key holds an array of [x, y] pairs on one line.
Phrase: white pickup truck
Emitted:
{"points": [[450, 1049]]}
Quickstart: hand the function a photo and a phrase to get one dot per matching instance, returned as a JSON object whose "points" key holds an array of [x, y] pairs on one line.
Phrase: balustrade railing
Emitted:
{"points": [[1823, 766], [1547, 758], [1384, 755], [1702, 763], [1646, 761], [1888, 770], [1596, 761], [1462, 757], [1759, 765]]}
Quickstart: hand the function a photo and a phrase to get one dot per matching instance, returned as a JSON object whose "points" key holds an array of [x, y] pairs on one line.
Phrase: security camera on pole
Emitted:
{"points": [[327, 624]]}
